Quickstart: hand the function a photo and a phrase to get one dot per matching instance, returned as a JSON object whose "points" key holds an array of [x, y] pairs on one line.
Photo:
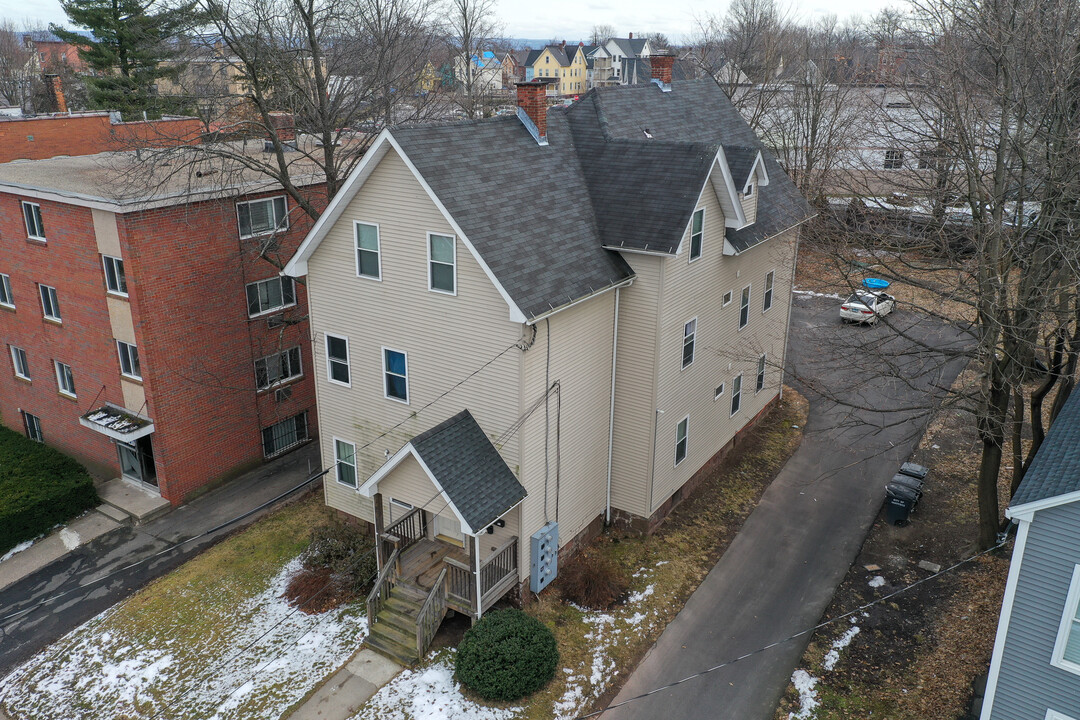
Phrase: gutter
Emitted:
{"points": [[611, 409], [544, 316]]}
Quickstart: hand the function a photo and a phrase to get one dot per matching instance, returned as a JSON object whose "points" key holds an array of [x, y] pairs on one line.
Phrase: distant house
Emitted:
{"points": [[513, 67], [51, 52], [565, 63], [1035, 670], [530, 326], [598, 66], [484, 70], [624, 53]]}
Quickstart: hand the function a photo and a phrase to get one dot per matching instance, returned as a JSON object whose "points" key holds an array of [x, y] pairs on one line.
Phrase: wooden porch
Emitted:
{"points": [[421, 579]]}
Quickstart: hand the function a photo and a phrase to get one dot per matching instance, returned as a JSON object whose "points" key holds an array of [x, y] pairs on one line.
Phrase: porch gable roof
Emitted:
{"points": [[466, 469]]}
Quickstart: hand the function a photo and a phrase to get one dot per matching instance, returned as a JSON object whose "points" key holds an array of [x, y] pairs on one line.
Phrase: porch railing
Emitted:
{"points": [[383, 585], [460, 583], [431, 614], [499, 572], [406, 532]]}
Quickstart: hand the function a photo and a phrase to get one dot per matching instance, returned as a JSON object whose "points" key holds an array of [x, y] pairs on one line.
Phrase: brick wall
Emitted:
{"points": [[87, 134]]}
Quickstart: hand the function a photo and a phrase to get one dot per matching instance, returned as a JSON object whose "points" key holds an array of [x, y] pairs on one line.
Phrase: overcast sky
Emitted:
{"points": [[674, 18]]}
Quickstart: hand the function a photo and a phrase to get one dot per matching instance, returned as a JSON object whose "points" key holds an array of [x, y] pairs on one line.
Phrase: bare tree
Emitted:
{"points": [[17, 67], [600, 34], [471, 29]]}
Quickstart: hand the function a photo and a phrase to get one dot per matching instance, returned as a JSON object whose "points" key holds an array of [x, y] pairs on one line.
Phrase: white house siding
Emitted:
{"points": [[749, 206], [580, 359], [722, 351], [446, 337], [635, 386]]}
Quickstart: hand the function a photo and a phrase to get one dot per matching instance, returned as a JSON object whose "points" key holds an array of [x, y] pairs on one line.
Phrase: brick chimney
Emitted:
{"points": [[285, 125], [661, 63], [532, 106], [631, 36], [56, 93]]}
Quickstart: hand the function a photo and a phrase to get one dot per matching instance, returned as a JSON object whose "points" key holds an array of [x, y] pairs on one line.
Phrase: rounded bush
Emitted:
{"points": [[506, 656]]}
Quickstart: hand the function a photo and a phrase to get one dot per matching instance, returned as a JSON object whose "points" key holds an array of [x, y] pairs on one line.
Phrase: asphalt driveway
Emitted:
{"points": [[782, 569]]}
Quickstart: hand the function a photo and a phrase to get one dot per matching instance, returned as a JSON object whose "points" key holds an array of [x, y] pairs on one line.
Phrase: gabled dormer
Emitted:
{"points": [[748, 173]]}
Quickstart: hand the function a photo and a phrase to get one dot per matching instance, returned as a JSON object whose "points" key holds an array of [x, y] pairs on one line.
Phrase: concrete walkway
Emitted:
{"points": [[350, 687], [57, 588], [781, 571]]}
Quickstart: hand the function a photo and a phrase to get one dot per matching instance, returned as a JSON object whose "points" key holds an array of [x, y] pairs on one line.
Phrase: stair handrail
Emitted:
{"points": [[431, 614], [377, 597]]}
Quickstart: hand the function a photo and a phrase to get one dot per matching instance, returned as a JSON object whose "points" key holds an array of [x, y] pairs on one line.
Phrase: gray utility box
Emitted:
{"points": [[544, 565]]}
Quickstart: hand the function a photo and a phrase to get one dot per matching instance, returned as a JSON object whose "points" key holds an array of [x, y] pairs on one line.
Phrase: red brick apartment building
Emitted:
{"points": [[142, 335]]}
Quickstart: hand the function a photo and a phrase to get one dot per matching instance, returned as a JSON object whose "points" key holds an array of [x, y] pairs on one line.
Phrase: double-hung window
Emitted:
{"points": [[770, 278], [396, 374], [1066, 653], [283, 435], [368, 252], [681, 439], [115, 281], [760, 374], [268, 295], [337, 359], [688, 336], [345, 462], [7, 298], [20, 363], [35, 228], [696, 234], [65, 380], [894, 159], [736, 394], [277, 368], [129, 360], [50, 305], [261, 217], [744, 308], [32, 423], [442, 263]]}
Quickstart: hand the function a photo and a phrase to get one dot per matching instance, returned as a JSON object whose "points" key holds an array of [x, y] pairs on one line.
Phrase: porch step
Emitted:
{"points": [[393, 632], [399, 654], [139, 504]]}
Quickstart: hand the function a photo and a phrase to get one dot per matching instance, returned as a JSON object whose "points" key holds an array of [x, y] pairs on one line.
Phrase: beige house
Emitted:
{"points": [[529, 326]]}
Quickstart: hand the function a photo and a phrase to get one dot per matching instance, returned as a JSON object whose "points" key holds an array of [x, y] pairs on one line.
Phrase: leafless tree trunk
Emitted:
{"points": [[471, 27]]}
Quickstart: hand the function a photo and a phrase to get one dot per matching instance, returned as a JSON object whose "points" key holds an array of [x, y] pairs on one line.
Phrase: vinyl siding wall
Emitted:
{"points": [[749, 205], [580, 359], [1027, 684], [446, 337]]}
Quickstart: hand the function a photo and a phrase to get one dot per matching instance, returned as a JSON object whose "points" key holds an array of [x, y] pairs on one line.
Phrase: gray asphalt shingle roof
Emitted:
{"points": [[740, 161], [470, 470], [1056, 468], [540, 215]]}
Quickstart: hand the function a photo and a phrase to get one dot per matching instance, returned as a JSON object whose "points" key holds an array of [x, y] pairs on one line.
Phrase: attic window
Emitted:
{"points": [[749, 190]]}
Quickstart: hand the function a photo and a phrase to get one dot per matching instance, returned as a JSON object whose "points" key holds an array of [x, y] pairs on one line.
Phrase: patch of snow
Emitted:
{"points": [[804, 683], [833, 656], [24, 545], [877, 581], [428, 694], [662, 562], [639, 596], [70, 538], [811, 293], [257, 664], [636, 619]]}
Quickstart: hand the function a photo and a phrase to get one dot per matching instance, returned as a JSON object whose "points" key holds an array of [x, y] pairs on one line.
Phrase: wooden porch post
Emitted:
{"points": [[380, 528], [474, 565]]}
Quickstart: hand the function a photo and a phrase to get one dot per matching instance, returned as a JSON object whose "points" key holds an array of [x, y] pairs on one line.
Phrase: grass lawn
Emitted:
{"points": [[599, 649], [191, 645]]}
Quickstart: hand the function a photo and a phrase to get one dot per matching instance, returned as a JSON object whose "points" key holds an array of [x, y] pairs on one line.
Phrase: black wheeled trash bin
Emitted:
{"points": [[899, 501], [910, 482], [916, 471]]}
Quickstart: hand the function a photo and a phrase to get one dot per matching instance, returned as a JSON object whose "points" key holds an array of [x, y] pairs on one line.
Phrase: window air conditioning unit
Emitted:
{"points": [[282, 394]]}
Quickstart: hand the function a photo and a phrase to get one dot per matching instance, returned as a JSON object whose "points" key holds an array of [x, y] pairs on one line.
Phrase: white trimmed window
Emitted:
{"points": [[65, 380], [760, 373], [689, 335], [7, 298], [261, 217], [396, 374], [681, 432], [1066, 655], [277, 368], [770, 278], [337, 359], [35, 228], [744, 308], [368, 251], [32, 424], [129, 360], [749, 191], [894, 159], [736, 394], [286, 434], [727, 299], [442, 263], [345, 462], [697, 233], [50, 304], [115, 280], [20, 363], [718, 391], [269, 295]]}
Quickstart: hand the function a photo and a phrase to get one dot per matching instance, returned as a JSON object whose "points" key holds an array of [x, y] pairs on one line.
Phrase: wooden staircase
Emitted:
{"points": [[393, 632]]}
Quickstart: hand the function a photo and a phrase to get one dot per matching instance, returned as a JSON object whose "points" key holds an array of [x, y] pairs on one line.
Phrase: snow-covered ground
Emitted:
{"points": [[24, 545], [100, 670], [806, 684]]}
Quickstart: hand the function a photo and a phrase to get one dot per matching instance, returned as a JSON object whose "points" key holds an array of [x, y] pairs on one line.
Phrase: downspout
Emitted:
{"points": [[476, 549], [611, 410], [791, 302]]}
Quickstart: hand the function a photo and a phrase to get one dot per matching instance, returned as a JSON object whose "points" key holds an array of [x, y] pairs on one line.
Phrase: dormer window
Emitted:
{"points": [[749, 190]]}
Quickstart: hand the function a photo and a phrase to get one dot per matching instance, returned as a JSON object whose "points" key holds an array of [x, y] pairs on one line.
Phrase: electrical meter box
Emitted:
{"points": [[545, 556]]}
